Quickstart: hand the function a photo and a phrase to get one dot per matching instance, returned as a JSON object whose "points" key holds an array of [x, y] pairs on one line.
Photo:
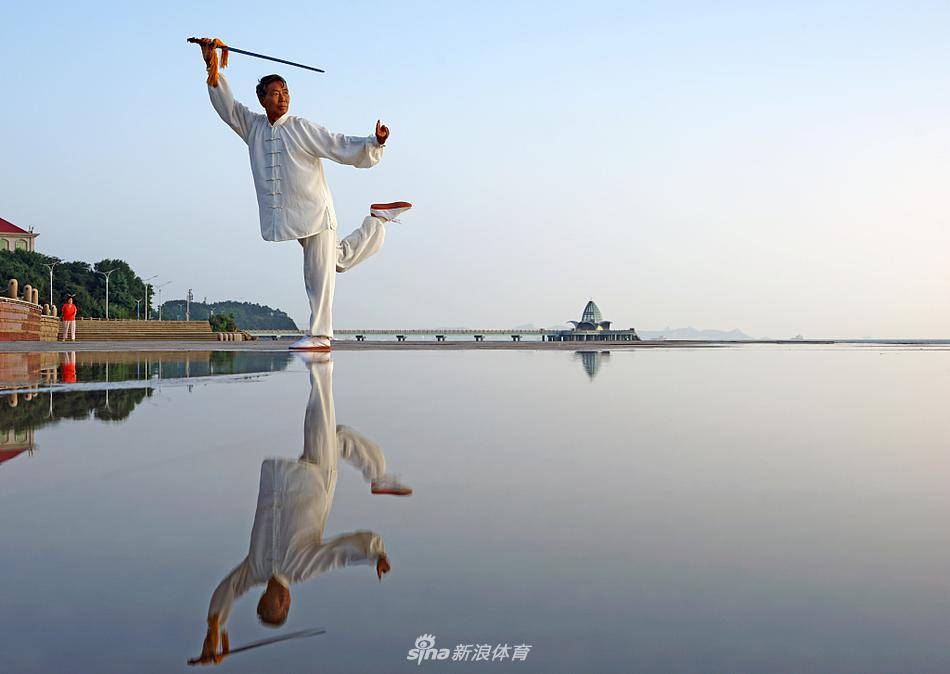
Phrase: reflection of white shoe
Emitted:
{"points": [[389, 211], [311, 357], [309, 343], [390, 484]]}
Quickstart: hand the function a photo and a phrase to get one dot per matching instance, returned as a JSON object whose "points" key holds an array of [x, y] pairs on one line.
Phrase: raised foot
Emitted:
{"points": [[390, 485], [389, 211]]}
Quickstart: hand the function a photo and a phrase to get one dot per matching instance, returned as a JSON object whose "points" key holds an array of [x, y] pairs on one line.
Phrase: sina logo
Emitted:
{"points": [[425, 650]]}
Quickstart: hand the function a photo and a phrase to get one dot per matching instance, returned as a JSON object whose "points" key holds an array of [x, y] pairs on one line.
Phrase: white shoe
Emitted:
{"points": [[309, 343], [390, 484], [389, 211]]}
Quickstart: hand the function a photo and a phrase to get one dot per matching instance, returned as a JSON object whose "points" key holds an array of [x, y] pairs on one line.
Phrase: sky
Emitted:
{"points": [[775, 167]]}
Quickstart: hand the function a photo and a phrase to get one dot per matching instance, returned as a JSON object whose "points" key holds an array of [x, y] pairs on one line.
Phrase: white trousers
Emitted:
{"points": [[325, 442], [67, 326], [324, 256]]}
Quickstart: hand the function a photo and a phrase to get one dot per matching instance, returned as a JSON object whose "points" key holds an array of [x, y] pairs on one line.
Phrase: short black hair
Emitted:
{"points": [[264, 81]]}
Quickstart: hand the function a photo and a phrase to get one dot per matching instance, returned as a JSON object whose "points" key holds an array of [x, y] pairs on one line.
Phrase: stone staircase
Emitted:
{"points": [[89, 329]]}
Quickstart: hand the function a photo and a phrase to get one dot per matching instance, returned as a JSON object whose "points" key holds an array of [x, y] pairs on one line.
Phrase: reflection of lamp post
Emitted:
{"points": [[146, 293], [50, 267], [106, 274]]}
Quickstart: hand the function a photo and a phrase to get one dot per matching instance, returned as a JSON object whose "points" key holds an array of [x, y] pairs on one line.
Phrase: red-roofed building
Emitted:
{"points": [[16, 238]]}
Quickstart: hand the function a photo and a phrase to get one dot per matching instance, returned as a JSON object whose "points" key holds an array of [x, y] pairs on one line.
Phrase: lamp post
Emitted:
{"points": [[138, 305], [50, 267], [145, 281], [159, 289], [106, 274]]}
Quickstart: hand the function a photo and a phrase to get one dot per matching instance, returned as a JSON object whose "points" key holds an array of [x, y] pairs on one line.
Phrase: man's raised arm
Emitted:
{"points": [[233, 586], [236, 115], [229, 591]]}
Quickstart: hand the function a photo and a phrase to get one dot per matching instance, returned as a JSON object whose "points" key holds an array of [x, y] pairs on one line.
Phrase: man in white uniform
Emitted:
{"points": [[293, 504], [294, 201]]}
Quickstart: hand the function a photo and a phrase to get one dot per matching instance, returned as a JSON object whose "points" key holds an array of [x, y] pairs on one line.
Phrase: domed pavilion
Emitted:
{"points": [[593, 328]]}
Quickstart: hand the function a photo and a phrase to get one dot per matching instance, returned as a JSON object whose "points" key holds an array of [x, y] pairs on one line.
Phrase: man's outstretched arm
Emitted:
{"points": [[358, 151], [360, 547]]}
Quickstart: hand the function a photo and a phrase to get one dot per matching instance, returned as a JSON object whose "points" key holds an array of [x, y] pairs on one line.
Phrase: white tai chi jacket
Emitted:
{"points": [[287, 536], [292, 193], [293, 504]]}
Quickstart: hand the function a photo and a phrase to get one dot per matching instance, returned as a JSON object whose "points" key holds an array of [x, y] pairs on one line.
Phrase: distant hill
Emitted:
{"points": [[692, 333], [247, 315]]}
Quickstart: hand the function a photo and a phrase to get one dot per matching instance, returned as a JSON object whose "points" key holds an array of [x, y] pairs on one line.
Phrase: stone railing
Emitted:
{"points": [[240, 336], [22, 318]]}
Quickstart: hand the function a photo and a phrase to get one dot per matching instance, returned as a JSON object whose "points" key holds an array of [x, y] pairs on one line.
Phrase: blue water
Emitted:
{"points": [[746, 509]]}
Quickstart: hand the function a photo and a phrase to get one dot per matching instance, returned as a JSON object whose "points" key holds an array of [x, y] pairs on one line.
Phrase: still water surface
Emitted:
{"points": [[744, 509]]}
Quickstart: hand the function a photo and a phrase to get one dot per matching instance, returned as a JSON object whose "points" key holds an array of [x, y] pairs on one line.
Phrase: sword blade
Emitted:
{"points": [[273, 58], [302, 634], [266, 57], [283, 637]]}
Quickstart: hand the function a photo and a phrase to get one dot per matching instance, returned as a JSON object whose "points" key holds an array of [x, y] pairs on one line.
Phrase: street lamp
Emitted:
{"points": [[138, 305], [50, 267], [106, 274], [145, 281], [159, 289]]}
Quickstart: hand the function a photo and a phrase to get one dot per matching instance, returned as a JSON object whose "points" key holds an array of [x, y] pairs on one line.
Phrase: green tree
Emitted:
{"points": [[125, 287], [223, 323], [27, 268], [79, 279]]}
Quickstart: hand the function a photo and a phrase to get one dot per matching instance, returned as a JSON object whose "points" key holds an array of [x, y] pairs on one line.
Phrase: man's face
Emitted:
{"points": [[276, 100]]}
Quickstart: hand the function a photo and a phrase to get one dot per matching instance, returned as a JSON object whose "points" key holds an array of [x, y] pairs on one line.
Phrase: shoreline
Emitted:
{"points": [[419, 345]]}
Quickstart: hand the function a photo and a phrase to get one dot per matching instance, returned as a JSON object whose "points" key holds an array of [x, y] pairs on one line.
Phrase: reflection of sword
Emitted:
{"points": [[312, 632]]}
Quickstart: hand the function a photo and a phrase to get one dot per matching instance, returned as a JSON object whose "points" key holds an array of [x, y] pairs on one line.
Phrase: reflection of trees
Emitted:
{"points": [[27, 370], [30, 410], [113, 367], [43, 409]]}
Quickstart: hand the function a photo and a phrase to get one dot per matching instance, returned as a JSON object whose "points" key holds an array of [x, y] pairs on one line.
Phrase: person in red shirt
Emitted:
{"points": [[69, 318]]}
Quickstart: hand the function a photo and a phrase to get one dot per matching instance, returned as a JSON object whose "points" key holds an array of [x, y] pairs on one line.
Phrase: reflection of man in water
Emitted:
{"points": [[293, 503]]}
